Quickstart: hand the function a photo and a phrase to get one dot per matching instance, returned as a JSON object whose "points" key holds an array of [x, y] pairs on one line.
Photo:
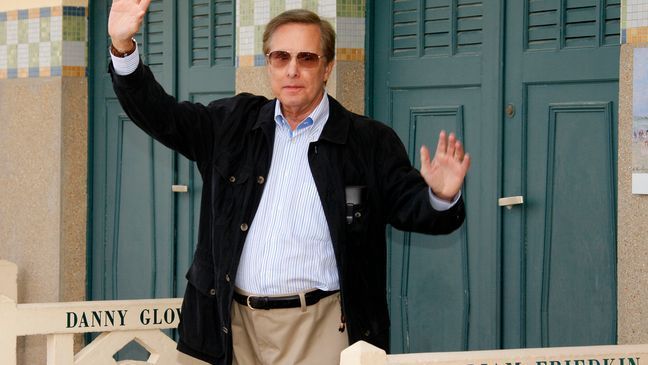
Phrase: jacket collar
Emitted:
{"points": [[336, 129]]}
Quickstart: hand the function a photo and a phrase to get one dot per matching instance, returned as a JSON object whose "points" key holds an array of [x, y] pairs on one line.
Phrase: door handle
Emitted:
{"points": [[510, 201], [179, 188]]}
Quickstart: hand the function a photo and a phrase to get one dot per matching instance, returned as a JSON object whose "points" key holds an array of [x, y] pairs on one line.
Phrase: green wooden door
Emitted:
{"points": [[142, 234], [561, 81], [533, 275]]}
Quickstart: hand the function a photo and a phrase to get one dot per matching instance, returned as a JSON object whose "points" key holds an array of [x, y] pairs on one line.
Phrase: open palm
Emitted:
{"points": [[445, 173], [125, 19]]}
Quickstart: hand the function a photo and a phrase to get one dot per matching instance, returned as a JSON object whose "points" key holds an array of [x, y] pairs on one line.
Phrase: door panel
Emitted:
{"points": [[432, 267], [205, 73], [570, 215], [143, 235], [561, 81], [531, 86], [437, 70]]}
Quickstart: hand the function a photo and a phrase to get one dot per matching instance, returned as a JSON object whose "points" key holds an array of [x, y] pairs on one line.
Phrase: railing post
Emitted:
{"points": [[9, 280], [8, 298], [60, 349], [8, 332], [363, 353]]}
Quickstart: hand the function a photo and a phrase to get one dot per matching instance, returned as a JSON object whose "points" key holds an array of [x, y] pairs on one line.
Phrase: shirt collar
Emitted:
{"points": [[318, 116]]}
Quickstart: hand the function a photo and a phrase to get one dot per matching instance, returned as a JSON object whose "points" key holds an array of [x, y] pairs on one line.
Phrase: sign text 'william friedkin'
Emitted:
{"points": [[118, 318], [593, 360]]}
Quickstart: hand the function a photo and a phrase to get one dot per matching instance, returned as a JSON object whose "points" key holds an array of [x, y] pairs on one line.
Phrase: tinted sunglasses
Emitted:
{"points": [[304, 59]]}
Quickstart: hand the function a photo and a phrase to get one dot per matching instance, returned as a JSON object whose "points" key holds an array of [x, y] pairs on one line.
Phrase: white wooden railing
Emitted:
{"points": [[124, 321], [119, 322], [362, 353]]}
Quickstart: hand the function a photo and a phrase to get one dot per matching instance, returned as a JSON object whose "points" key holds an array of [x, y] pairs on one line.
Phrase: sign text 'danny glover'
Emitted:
{"points": [[121, 317]]}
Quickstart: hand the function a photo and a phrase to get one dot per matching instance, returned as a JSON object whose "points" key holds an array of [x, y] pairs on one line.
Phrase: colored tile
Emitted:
{"points": [[12, 73], [3, 57], [23, 31], [12, 15], [56, 54], [56, 28], [262, 12], [74, 54], [23, 55], [12, 56], [259, 60], [277, 7], [33, 30], [23, 73], [57, 11], [33, 54], [311, 5], [246, 61], [3, 33], [3, 16], [44, 54], [45, 72], [258, 39], [33, 72], [246, 12], [12, 32], [74, 28], [55, 71], [23, 14], [3, 73], [33, 13], [45, 29], [45, 12], [293, 4]]}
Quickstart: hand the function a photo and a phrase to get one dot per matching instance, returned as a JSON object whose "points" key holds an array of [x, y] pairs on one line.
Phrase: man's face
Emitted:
{"points": [[299, 88]]}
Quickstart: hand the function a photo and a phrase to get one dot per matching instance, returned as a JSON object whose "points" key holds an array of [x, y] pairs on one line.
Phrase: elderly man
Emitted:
{"points": [[290, 265]]}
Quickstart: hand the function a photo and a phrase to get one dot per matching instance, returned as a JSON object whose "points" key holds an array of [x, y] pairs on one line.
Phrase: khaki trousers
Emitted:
{"points": [[308, 335]]}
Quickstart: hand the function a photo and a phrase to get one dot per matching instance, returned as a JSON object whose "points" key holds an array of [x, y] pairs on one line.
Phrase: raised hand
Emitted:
{"points": [[445, 173], [124, 21]]}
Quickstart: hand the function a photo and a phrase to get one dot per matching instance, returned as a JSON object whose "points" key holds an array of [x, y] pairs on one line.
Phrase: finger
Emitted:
{"points": [[465, 164], [144, 4], [443, 143], [452, 140], [459, 151], [425, 156]]}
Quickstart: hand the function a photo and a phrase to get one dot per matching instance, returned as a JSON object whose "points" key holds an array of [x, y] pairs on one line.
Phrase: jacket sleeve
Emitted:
{"points": [[406, 195], [189, 128]]}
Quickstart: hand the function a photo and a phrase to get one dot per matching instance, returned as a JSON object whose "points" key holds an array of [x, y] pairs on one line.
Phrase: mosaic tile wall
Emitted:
{"points": [[634, 21], [346, 16], [43, 42]]}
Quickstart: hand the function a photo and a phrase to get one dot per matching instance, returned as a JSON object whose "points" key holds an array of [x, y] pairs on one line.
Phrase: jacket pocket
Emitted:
{"points": [[199, 326]]}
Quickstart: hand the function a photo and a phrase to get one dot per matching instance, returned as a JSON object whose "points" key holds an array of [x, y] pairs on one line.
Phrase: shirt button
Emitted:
{"points": [[212, 292], [232, 179], [227, 278], [260, 180], [244, 227]]}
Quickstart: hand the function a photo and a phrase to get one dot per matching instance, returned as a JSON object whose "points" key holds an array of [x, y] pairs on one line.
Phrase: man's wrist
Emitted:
{"points": [[123, 48]]}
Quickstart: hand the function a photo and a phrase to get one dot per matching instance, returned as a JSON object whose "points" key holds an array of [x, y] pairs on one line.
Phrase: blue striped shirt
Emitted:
{"points": [[288, 248]]}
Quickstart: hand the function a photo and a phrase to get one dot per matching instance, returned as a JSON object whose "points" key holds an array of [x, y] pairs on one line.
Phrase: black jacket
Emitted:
{"points": [[231, 141]]}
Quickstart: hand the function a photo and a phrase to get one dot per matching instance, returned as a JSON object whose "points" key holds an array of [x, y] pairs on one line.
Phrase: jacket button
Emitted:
{"points": [[225, 330], [244, 227], [212, 292], [232, 179], [227, 278], [367, 333], [260, 180]]}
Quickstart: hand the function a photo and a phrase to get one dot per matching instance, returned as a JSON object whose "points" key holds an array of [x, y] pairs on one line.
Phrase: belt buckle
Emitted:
{"points": [[247, 300]]}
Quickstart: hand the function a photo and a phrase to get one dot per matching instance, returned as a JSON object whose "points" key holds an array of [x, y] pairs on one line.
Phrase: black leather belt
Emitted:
{"points": [[290, 301]]}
